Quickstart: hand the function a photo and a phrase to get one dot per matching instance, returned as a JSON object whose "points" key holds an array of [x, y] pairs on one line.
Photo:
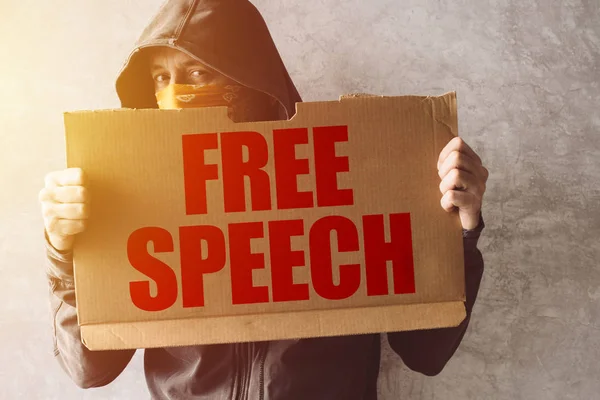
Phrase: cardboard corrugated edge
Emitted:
{"points": [[405, 317]]}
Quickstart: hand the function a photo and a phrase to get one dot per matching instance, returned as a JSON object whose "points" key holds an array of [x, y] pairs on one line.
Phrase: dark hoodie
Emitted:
{"points": [[231, 37]]}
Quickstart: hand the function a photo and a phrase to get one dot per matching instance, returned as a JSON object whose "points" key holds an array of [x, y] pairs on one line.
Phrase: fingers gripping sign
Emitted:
{"points": [[65, 206], [463, 181]]}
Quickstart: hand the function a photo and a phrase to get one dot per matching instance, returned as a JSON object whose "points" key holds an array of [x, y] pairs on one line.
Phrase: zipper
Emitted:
{"points": [[261, 371], [245, 353]]}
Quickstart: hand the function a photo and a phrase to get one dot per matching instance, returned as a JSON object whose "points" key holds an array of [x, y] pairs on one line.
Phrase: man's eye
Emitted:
{"points": [[161, 77], [197, 73]]}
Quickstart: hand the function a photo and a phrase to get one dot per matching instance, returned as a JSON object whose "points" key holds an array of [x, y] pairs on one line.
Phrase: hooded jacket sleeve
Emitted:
{"points": [[86, 368], [428, 351]]}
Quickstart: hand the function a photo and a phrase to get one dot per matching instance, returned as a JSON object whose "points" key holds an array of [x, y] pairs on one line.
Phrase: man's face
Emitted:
{"points": [[171, 66]]}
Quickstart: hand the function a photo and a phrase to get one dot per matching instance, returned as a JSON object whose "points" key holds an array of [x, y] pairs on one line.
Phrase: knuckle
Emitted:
{"points": [[458, 155], [48, 180], [486, 173], [444, 203], [42, 195], [457, 159], [441, 186]]}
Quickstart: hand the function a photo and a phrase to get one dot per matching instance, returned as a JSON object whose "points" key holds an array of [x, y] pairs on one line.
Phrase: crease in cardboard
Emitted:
{"points": [[299, 325], [118, 336], [441, 116], [432, 304], [446, 110]]}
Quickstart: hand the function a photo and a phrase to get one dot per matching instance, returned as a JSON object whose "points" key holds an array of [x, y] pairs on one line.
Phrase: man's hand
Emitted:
{"points": [[65, 207], [463, 181]]}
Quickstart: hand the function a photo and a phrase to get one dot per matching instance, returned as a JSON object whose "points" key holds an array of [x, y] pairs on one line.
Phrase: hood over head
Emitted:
{"points": [[229, 36]]}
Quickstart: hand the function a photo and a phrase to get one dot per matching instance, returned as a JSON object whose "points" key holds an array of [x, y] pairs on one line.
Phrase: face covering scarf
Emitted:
{"points": [[244, 104]]}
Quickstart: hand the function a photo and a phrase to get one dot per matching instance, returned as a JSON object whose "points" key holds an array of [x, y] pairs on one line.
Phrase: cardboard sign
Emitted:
{"points": [[204, 231]]}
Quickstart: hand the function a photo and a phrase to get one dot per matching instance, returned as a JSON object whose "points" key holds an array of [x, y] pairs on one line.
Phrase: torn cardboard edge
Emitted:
{"points": [[273, 326], [445, 117]]}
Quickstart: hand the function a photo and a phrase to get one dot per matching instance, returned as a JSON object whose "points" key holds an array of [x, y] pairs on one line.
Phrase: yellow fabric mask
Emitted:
{"points": [[190, 96], [243, 104]]}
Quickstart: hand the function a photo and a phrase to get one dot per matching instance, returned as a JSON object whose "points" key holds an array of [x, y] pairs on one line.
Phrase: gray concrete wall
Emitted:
{"points": [[527, 76]]}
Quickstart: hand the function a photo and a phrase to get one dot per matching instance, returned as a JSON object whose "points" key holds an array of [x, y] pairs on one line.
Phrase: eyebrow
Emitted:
{"points": [[194, 63], [191, 63]]}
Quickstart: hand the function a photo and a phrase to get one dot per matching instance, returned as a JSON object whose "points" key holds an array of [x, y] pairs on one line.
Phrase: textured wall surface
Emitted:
{"points": [[527, 75]]}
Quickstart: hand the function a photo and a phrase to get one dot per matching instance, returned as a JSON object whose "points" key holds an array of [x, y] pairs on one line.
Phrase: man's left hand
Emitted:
{"points": [[463, 181]]}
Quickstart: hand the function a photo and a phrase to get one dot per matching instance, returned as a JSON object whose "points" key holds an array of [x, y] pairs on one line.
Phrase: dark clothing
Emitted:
{"points": [[344, 368], [231, 37]]}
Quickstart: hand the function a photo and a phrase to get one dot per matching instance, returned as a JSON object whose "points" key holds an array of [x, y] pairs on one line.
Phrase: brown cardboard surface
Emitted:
{"points": [[134, 163]]}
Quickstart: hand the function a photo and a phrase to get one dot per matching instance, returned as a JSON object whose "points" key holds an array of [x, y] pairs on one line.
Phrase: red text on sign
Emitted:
{"points": [[242, 262]]}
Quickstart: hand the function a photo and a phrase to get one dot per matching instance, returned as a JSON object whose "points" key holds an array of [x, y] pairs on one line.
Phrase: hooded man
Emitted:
{"points": [[198, 53]]}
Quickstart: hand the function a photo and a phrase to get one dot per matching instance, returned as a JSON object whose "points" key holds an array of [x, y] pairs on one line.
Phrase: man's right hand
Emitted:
{"points": [[65, 207]]}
